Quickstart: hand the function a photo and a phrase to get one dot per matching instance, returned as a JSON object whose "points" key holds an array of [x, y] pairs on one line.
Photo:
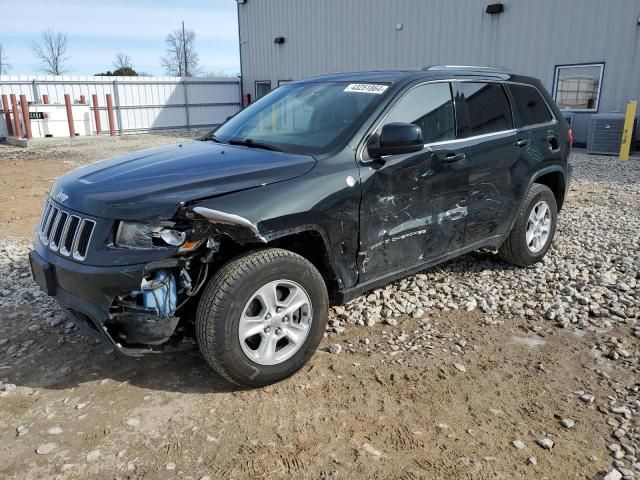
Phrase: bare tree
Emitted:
{"points": [[181, 59], [122, 61], [51, 52], [5, 67]]}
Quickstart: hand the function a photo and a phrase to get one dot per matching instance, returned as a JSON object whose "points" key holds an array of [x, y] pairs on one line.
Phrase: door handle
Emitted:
{"points": [[522, 142], [454, 157]]}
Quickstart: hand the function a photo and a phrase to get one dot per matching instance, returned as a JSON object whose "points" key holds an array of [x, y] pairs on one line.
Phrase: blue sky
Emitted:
{"points": [[98, 30]]}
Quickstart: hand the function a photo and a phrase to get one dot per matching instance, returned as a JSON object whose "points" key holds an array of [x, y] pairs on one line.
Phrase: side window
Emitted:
{"points": [[531, 106], [431, 108], [487, 106]]}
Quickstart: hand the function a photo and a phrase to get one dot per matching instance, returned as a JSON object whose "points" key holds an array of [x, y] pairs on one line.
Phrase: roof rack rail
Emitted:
{"points": [[464, 67]]}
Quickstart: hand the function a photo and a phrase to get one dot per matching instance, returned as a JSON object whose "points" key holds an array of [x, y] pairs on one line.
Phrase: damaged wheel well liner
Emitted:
{"points": [[310, 245]]}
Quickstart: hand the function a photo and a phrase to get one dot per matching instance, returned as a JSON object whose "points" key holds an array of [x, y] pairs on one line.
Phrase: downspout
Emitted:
{"points": [[240, 53]]}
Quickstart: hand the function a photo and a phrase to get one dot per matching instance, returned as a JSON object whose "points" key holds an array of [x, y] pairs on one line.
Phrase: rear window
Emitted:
{"points": [[531, 106], [488, 108]]}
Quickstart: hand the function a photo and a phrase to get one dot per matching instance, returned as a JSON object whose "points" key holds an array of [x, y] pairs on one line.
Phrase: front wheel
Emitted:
{"points": [[262, 316], [535, 227]]}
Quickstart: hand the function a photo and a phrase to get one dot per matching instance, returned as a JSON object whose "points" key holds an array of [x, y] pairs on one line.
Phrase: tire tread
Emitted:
{"points": [[511, 250]]}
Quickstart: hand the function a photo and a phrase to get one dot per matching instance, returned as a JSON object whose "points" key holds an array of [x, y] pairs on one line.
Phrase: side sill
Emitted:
{"points": [[346, 295]]}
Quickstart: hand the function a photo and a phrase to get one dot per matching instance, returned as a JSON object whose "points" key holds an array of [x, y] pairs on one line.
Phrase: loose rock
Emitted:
{"points": [[545, 443], [46, 448]]}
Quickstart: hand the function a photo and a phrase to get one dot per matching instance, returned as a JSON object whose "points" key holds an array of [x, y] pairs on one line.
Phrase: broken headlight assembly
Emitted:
{"points": [[144, 235]]}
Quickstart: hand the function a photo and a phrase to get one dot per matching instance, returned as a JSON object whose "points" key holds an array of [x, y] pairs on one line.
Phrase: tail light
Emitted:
{"points": [[570, 136]]}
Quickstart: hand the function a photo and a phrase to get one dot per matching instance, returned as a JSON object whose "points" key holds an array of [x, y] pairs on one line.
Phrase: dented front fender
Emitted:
{"points": [[238, 228]]}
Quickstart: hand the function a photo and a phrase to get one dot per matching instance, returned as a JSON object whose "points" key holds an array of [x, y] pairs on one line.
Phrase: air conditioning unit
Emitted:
{"points": [[605, 133]]}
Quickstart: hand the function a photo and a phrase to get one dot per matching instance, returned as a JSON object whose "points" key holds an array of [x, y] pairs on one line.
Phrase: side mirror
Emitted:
{"points": [[396, 138]]}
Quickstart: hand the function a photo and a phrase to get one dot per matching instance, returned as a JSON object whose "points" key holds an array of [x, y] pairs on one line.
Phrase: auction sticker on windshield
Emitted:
{"points": [[366, 88]]}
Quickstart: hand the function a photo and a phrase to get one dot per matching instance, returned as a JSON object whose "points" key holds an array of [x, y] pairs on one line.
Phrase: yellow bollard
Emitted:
{"points": [[627, 133]]}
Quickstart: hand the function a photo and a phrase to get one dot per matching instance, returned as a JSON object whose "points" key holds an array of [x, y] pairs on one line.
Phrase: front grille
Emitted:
{"points": [[65, 232]]}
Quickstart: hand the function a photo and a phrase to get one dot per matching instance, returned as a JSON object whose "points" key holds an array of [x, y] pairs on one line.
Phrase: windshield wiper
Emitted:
{"points": [[247, 142], [212, 137]]}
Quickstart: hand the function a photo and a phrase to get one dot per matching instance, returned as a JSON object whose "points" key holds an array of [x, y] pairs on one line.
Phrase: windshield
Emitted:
{"points": [[307, 118]]}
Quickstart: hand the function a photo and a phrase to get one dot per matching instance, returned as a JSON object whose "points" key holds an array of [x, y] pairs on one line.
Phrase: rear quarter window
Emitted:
{"points": [[531, 106]]}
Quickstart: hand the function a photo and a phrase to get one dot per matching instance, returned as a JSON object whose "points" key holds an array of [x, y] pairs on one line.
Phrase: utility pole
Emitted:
{"points": [[184, 51]]}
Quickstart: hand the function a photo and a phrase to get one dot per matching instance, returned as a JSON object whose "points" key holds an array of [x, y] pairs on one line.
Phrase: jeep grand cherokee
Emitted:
{"points": [[321, 190]]}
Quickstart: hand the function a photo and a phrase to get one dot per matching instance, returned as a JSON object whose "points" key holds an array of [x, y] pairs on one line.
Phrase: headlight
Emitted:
{"points": [[149, 235]]}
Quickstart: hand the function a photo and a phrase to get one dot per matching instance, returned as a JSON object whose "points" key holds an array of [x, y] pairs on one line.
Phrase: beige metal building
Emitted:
{"points": [[586, 52]]}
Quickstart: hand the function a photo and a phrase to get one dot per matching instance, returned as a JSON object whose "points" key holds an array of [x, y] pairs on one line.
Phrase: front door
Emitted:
{"points": [[413, 206]]}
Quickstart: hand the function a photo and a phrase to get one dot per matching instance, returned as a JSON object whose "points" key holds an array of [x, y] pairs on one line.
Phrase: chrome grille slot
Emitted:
{"points": [[64, 232], [81, 243], [56, 231], [68, 235], [50, 223], [45, 215]]}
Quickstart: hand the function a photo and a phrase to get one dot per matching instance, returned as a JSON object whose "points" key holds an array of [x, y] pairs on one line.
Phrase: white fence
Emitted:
{"points": [[140, 103]]}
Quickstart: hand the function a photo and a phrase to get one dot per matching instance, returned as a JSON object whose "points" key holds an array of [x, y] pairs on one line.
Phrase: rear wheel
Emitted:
{"points": [[535, 227], [262, 316]]}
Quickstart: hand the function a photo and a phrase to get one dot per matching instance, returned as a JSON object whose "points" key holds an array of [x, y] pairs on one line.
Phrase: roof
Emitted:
{"points": [[384, 76], [436, 71]]}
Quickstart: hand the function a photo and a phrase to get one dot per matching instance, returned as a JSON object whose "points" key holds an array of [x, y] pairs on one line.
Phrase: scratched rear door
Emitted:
{"points": [[492, 158]]}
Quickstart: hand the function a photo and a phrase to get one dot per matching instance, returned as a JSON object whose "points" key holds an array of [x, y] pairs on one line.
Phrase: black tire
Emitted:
{"points": [[515, 249], [222, 304]]}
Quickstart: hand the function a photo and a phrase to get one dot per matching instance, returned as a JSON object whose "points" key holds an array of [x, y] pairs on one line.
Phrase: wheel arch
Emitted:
{"points": [[311, 243], [555, 179], [550, 174]]}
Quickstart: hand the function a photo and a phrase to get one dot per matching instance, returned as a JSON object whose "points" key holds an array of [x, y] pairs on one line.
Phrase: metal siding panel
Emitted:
{"points": [[530, 37]]}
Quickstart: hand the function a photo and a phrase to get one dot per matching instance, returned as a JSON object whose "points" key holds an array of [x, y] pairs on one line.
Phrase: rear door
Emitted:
{"points": [[492, 158], [538, 132]]}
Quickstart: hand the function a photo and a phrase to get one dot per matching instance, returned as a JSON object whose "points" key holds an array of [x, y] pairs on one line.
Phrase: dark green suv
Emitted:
{"points": [[321, 190]]}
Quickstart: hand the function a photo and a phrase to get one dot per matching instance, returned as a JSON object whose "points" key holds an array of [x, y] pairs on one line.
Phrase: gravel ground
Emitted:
{"points": [[555, 346]]}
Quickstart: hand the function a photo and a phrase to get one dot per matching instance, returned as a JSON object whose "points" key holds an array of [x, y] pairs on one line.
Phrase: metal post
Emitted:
{"points": [[45, 99], [67, 102], [25, 116], [627, 132], [186, 103], [36, 93], [7, 115], [96, 113], [16, 117], [116, 97], [112, 130]]}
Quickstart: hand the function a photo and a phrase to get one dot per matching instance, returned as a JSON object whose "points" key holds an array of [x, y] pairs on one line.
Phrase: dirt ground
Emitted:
{"points": [[371, 411]]}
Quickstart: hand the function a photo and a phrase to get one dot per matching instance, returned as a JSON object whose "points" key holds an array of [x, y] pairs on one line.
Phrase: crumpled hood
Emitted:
{"points": [[152, 183]]}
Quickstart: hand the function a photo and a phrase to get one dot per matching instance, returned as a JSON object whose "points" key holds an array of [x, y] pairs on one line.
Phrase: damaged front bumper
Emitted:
{"points": [[89, 295]]}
